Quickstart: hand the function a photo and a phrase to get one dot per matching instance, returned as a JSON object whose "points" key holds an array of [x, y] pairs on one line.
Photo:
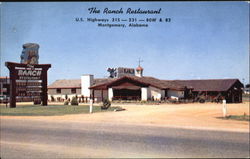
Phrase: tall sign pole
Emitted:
{"points": [[12, 86], [44, 87]]}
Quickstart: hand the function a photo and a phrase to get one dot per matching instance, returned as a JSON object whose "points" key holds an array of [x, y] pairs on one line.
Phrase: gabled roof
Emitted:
{"points": [[196, 85], [66, 83], [75, 83], [147, 81], [2, 77], [208, 84], [102, 80]]}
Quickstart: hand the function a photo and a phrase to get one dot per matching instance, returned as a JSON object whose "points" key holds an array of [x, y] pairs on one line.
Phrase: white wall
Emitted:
{"points": [[144, 93], [110, 94], [86, 82], [156, 93], [64, 91], [175, 93], [138, 73], [162, 93]]}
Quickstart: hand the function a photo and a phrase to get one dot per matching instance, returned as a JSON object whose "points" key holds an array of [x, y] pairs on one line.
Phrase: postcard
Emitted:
{"points": [[124, 79]]}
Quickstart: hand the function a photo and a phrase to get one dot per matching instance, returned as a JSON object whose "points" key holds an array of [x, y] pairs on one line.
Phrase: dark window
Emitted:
{"points": [[58, 90], [73, 90], [6, 85]]}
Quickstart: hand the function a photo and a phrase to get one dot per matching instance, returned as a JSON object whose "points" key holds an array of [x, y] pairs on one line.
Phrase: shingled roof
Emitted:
{"points": [[149, 81], [75, 83], [66, 83], [208, 84], [102, 80], [196, 85]]}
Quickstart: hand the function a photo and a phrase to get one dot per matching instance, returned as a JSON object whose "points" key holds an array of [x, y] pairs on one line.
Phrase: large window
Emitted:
{"points": [[58, 90], [73, 90]]}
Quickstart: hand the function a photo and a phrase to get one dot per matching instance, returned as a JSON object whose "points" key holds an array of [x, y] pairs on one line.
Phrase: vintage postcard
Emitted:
{"points": [[124, 79]]}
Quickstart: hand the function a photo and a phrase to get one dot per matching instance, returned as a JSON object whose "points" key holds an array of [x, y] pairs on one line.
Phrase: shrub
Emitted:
{"points": [[119, 109], [52, 98], [37, 102], [66, 102], [106, 104], [143, 102], [202, 100], [74, 101]]}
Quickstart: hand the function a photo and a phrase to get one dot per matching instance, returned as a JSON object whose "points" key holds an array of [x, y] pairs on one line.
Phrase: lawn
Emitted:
{"points": [[237, 117], [52, 110]]}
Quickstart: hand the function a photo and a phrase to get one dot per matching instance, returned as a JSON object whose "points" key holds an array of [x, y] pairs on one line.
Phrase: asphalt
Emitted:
{"points": [[26, 138]]}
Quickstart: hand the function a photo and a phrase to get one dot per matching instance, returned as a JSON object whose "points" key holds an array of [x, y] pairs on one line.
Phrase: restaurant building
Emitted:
{"points": [[130, 84]]}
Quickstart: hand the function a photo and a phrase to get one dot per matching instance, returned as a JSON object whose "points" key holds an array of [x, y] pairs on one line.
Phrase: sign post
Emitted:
{"points": [[224, 108], [90, 105]]}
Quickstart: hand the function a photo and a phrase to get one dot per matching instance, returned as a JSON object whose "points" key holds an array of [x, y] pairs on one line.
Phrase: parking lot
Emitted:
{"points": [[193, 115]]}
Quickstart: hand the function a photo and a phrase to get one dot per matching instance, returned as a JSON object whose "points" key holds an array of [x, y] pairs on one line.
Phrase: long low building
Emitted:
{"points": [[134, 86], [61, 90]]}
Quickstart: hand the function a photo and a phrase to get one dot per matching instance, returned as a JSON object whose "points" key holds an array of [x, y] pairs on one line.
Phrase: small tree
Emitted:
{"points": [[66, 96], [66, 102], [52, 99], [106, 104], [74, 101], [82, 97]]}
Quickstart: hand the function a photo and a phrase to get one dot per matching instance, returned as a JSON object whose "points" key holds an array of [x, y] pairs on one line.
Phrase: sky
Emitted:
{"points": [[203, 40]]}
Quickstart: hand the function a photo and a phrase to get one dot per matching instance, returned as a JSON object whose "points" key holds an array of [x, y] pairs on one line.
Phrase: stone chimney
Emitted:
{"points": [[86, 82]]}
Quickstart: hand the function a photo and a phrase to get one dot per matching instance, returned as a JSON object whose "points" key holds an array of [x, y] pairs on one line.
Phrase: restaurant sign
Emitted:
{"points": [[24, 74], [28, 82]]}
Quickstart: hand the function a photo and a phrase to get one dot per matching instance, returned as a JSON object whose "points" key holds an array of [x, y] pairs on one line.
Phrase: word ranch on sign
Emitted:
{"points": [[31, 73]]}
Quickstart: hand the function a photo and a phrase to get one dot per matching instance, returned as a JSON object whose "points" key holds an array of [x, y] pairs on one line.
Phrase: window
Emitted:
{"points": [[73, 90], [58, 90]]}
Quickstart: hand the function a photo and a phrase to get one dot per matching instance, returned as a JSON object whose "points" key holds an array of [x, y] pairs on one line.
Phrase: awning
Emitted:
{"points": [[127, 87]]}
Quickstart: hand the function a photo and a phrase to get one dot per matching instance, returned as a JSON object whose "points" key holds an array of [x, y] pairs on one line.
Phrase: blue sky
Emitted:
{"points": [[204, 40]]}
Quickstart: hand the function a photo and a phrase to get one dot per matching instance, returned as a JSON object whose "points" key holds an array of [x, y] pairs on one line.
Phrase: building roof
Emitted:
{"points": [[66, 83], [195, 85], [147, 81], [2, 77], [75, 83], [102, 80], [208, 84], [161, 84]]}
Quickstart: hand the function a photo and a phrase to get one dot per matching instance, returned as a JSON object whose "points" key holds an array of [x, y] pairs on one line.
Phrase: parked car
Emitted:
{"points": [[4, 99]]}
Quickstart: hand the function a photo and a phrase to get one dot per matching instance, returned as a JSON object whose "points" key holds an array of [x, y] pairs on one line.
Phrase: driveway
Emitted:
{"points": [[194, 116]]}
